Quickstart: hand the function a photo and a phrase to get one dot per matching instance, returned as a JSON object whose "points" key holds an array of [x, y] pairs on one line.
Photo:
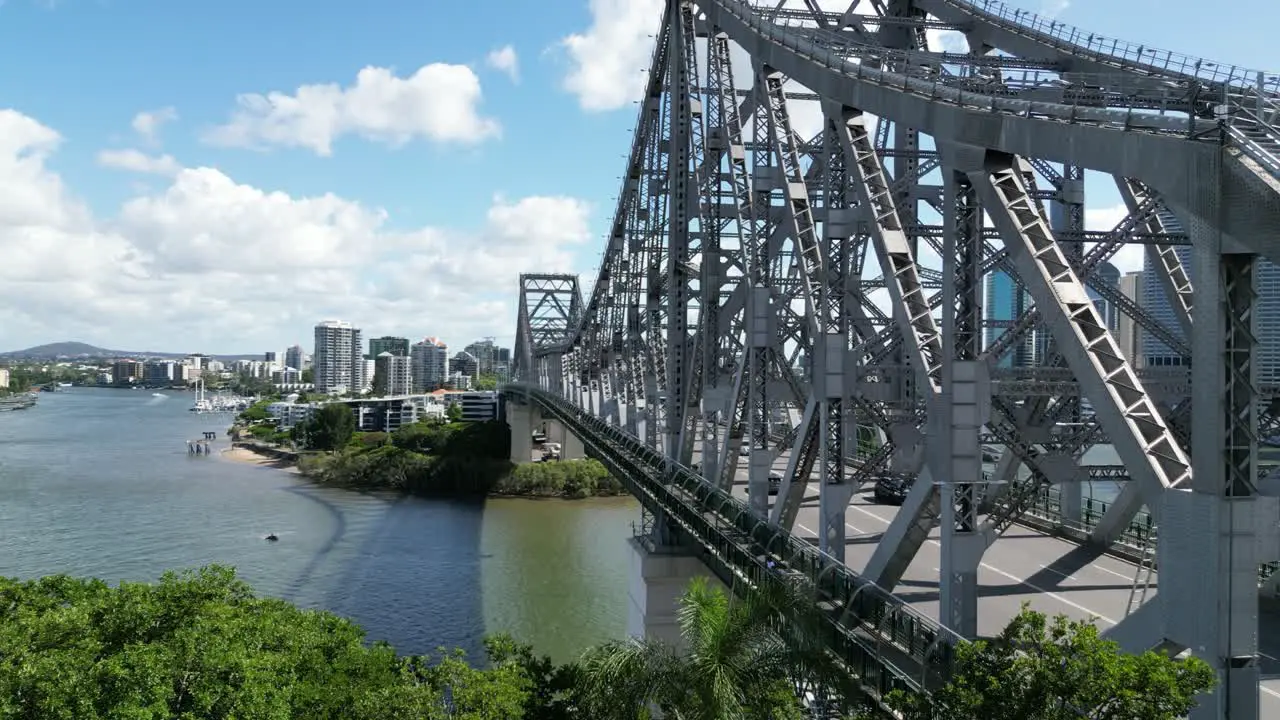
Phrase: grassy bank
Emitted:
{"points": [[392, 468]]}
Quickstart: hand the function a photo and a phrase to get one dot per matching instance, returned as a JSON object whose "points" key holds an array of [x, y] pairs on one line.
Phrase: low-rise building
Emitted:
{"points": [[477, 406], [288, 413], [388, 414]]}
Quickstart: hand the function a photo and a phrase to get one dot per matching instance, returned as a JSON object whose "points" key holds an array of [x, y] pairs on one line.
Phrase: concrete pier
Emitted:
{"points": [[521, 418], [658, 578]]}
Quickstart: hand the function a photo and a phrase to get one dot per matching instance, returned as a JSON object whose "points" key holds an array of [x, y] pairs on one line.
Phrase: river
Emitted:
{"points": [[97, 482]]}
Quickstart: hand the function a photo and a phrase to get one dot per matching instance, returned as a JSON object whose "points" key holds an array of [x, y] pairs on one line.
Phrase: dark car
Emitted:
{"points": [[775, 484], [891, 490]]}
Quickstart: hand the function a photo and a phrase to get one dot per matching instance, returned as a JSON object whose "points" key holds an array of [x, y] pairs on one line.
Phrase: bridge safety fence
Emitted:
{"points": [[1137, 537], [1123, 52], [882, 642], [844, 58]]}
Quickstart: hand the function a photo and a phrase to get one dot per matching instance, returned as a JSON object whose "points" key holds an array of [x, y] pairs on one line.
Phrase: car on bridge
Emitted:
{"points": [[775, 484], [891, 489]]}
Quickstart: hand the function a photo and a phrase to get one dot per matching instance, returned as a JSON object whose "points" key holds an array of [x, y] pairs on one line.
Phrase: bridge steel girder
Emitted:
{"points": [[733, 308]]}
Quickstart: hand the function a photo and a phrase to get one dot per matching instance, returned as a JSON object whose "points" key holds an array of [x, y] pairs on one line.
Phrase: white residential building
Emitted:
{"points": [[4, 377], [393, 375], [430, 364], [339, 358]]}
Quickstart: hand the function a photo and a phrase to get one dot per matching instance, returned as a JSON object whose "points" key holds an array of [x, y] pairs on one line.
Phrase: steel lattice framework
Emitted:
{"points": [[798, 293]]}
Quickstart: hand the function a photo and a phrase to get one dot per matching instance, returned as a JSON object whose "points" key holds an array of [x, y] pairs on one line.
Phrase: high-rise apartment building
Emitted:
{"points": [[294, 357], [430, 364], [339, 358], [392, 375], [1154, 351], [465, 363], [269, 357], [1127, 332], [394, 345], [1005, 302], [1107, 274], [488, 356]]}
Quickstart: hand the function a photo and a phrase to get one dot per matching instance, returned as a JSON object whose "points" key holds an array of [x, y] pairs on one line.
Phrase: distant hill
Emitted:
{"points": [[73, 350]]}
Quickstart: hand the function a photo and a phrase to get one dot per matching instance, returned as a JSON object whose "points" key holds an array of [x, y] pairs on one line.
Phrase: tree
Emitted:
{"points": [[553, 689], [309, 375], [199, 644], [330, 427], [1059, 670], [738, 665], [454, 412], [486, 382]]}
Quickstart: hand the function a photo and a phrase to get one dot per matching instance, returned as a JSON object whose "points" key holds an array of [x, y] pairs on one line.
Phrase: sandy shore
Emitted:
{"points": [[249, 457]]}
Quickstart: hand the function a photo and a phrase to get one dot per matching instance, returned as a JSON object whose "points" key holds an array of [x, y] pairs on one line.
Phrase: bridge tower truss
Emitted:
{"points": [[815, 207]]}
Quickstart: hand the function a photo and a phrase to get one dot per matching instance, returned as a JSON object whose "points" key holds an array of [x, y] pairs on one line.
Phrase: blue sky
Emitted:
{"points": [[380, 206]]}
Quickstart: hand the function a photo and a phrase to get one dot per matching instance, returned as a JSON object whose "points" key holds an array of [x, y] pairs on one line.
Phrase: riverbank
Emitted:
{"points": [[261, 457], [423, 475]]}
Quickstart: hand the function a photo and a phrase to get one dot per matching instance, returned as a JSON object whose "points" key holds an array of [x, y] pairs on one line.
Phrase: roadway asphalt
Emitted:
{"points": [[1054, 576]]}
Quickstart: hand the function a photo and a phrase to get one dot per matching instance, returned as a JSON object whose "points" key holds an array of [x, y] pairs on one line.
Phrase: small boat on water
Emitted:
{"points": [[21, 401]]}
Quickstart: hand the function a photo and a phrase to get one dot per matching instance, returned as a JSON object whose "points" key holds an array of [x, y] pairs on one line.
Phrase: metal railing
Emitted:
{"points": [[884, 643], [1137, 537], [1126, 54], [835, 53]]}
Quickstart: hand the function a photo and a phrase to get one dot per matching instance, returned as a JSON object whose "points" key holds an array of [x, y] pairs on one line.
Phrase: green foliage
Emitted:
{"points": [[486, 382], [200, 645], [330, 427], [489, 440], [737, 664], [394, 468], [568, 478], [263, 432], [309, 375], [553, 691], [1059, 670], [453, 412], [256, 412]]}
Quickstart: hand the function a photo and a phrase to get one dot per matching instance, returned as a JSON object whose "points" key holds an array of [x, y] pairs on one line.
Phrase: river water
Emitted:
{"points": [[97, 482]]}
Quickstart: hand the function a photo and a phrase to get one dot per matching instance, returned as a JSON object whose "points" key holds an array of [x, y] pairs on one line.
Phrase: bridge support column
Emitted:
{"points": [[1211, 597], [521, 419], [965, 405], [659, 577], [1071, 502], [572, 448]]}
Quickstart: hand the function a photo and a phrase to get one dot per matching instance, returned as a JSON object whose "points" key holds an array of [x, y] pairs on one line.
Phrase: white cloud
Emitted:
{"points": [[138, 161], [216, 264], [439, 102], [504, 60], [1130, 257], [147, 123], [608, 62]]}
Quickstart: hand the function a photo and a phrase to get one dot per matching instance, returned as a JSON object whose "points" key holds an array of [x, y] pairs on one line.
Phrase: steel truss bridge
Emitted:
{"points": [[812, 307]]}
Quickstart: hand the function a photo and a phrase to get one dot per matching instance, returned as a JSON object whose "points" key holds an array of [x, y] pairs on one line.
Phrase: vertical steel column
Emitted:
{"points": [[1066, 213], [678, 216], [1223, 482], [961, 409], [761, 323], [831, 345]]}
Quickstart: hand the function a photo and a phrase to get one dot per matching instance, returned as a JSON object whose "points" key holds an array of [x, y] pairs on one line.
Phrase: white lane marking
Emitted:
{"points": [[815, 532], [1059, 573], [1096, 566]]}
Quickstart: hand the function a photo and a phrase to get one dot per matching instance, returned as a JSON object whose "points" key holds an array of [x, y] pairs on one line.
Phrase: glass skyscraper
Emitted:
{"points": [[1005, 301]]}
